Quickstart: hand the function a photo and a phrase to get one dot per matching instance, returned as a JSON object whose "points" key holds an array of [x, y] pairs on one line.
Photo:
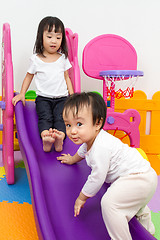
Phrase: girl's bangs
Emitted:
{"points": [[49, 27]]}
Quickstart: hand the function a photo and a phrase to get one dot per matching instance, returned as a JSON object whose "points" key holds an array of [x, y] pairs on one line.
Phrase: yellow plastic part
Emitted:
{"points": [[142, 153], [149, 142], [149, 110]]}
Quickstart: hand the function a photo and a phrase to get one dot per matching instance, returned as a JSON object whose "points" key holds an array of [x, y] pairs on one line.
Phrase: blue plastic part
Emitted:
{"points": [[2, 105], [110, 120], [121, 73], [18, 192], [108, 103], [1, 127]]}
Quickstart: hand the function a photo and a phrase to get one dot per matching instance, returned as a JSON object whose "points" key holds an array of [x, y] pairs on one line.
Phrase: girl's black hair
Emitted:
{"points": [[78, 100], [47, 23]]}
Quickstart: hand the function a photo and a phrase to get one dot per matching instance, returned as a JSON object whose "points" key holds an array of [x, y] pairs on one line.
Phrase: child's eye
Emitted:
{"points": [[79, 124], [68, 125], [49, 36]]}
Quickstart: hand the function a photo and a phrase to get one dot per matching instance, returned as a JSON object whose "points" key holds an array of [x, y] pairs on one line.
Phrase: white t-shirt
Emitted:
{"points": [[49, 77], [109, 159]]}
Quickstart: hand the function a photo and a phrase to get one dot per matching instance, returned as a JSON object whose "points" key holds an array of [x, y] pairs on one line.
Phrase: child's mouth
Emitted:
{"points": [[75, 139]]}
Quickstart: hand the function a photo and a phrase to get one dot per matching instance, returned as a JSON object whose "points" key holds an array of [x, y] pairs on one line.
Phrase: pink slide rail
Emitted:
{"points": [[6, 105]]}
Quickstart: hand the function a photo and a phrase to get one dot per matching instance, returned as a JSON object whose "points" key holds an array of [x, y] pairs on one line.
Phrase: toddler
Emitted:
{"points": [[133, 181]]}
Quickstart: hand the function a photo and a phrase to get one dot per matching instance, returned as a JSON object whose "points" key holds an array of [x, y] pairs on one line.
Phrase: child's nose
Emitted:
{"points": [[53, 39], [73, 130]]}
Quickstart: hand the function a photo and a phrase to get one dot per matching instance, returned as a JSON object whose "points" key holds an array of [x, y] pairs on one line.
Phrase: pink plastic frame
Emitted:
{"points": [[74, 72], [7, 107], [112, 52]]}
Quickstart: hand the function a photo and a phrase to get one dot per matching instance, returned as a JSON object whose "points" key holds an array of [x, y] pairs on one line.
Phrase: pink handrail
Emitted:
{"points": [[6, 105]]}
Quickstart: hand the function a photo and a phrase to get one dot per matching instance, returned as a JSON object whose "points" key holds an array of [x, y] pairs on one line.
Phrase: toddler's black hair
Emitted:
{"points": [[78, 100], [47, 23]]}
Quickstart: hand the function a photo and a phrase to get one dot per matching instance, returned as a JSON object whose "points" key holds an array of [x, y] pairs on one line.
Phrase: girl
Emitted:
{"points": [[49, 66], [133, 181]]}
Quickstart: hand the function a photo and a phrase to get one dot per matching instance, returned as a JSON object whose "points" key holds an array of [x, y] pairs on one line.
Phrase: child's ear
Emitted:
{"points": [[99, 123]]}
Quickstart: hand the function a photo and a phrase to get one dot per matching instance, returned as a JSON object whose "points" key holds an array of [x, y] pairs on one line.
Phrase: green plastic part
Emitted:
{"points": [[31, 94]]}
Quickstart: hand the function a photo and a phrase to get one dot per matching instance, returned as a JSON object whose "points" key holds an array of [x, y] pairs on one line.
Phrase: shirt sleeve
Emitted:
{"points": [[99, 165], [82, 150], [67, 64], [32, 65]]}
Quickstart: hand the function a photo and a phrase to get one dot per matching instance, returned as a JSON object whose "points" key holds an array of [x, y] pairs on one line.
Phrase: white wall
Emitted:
{"points": [[137, 21]]}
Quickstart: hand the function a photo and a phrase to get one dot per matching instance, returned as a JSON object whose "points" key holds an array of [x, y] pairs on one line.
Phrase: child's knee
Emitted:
{"points": [[106, 203]]}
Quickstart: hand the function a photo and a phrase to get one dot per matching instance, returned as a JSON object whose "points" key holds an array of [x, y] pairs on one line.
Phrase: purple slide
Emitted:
{"points": [[55, 186]]}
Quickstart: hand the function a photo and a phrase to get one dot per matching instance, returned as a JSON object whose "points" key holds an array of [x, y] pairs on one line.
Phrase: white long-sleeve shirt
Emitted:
{"points": [[109, 159]]}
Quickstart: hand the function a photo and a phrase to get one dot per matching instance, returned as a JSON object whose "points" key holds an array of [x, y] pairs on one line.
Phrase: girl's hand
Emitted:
{"points": [[26, 83], [17, 98], [66, 158]]}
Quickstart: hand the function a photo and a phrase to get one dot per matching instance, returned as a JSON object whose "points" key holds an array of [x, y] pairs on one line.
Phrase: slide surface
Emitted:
{"points": [[54, 188]]}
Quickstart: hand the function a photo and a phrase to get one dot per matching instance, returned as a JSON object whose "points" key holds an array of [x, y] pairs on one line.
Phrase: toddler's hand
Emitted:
{"points": [[78, 205], [65, 158]]}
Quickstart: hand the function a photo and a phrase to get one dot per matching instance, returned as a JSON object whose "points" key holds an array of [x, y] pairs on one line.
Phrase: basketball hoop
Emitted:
{"points": [[120, 83]]}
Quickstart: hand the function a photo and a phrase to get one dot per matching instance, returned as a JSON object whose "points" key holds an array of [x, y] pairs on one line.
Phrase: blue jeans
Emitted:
{"points": [[49, 112]]}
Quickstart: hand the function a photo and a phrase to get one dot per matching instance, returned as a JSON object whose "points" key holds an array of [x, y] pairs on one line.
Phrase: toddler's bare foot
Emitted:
{"points": [[48, 140], [59, 137]]}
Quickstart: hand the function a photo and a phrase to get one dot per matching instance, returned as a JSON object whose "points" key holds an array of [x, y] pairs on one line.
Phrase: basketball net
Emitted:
{"points": [[120, 86]]}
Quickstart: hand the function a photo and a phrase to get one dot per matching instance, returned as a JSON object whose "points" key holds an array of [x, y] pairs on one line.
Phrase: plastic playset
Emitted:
{"points": [[113, 59], [51, 182]]}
